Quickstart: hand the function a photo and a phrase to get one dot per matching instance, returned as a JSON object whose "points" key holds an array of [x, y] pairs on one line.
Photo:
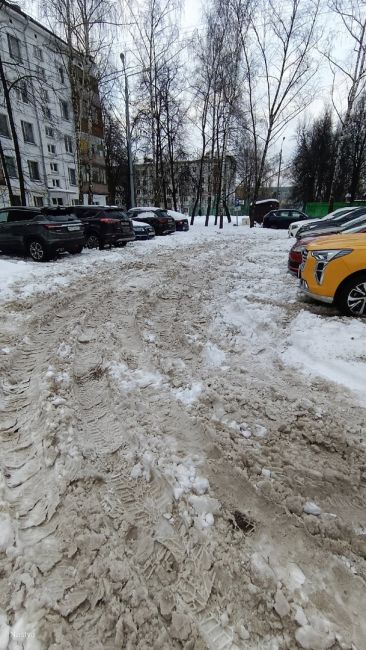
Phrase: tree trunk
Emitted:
{"points": [[6, 176], [14, 134]]}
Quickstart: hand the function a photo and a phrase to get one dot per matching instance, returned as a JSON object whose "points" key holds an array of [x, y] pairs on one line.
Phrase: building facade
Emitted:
{"points": [[187, 184], [33, 65]]}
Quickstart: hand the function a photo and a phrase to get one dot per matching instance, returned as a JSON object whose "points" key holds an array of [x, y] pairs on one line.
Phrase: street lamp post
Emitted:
{"points": [[128, 131], [279, 170]]}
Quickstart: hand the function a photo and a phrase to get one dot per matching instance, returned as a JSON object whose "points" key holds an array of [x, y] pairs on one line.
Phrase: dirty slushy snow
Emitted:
{"points": [[182, 452]]}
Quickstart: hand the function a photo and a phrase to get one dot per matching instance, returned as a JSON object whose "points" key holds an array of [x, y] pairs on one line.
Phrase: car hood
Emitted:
{"points": [[353, 240], [298, 224]]}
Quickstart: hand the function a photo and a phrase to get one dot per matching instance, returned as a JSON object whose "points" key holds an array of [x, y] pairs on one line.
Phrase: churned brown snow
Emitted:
{"points": [[167, 479]]}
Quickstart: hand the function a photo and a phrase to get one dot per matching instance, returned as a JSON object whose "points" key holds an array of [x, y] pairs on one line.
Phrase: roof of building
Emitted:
{"points": [[17, 9]]}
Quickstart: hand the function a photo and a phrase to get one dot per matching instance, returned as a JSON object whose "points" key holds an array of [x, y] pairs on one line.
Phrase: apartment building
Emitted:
{"points": [[33, 62], [187, 183]]}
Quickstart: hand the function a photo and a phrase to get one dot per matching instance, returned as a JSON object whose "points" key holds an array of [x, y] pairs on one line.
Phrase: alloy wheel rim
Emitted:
{"points": [[356, 299], [92, 242], [36, 250]]}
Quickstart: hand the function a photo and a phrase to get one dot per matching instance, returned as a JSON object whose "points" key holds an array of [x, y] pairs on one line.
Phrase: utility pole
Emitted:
{"points": [[279, 170], [128, 132]]}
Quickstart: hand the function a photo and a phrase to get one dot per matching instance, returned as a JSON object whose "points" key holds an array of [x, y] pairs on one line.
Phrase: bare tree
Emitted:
{"points": [[155, 32], [279, 68], [352, 14], [218, 87]]}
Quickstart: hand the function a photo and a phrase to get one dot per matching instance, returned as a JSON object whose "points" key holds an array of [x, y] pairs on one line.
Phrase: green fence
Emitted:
{"points": [[321, 209]]}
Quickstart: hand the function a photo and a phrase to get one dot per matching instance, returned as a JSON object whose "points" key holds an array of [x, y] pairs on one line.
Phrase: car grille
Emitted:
{"points": [[304, 256], [171, 222]]}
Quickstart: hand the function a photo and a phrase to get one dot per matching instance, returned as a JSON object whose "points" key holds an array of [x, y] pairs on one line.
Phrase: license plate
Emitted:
{"points": [[71, 228]]}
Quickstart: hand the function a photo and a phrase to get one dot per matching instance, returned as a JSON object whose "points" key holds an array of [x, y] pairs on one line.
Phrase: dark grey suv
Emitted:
{"points": [[41, 236]]}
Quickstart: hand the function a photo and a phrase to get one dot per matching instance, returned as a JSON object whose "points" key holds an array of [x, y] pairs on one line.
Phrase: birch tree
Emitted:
{"points": [[279, 63], [352, 15]]}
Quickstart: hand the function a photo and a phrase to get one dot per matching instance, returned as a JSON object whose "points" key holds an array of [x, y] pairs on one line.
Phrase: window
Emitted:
{"points": [[41, 72], [38, 201], [54, 167], [45, 95], [62, 75], [65, 113], [14, 47], [68, 144], [3, 216], [57, 201], [50, 132], [47, 112], [22, 91], [51, 148], [4, 126], [56, 182], [72, 176], [28, 134], [33, 170], [11, 167], [38, 54]]}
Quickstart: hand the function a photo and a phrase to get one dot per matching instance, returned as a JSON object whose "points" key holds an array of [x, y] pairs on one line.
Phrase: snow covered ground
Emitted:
{"points": [[182, 451]]}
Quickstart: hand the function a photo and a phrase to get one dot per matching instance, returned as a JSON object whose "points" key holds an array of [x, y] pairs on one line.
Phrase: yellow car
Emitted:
{"points": [[333, 270]]}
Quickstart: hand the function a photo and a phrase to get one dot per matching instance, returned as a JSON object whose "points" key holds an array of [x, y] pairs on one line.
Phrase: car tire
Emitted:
{"points": [[77, 250], [92, 241], [121, 244], [38, 251], [351, 298]]}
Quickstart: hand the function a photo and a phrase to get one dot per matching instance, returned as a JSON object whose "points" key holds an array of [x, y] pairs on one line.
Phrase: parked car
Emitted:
{"points": [[143, 230], [41, 236], [295, 254], [281, 219], [181, 220], [104, 226], [294, 227], [333, 271], [158, 218], [329, 223]]}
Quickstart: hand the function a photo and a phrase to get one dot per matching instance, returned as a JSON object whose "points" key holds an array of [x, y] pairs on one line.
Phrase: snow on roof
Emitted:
{"points": [[266, 201]]}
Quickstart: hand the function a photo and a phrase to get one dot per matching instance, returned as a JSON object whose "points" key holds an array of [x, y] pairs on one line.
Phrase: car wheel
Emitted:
{"points": [[77, 250], [351, 299], [38, 251], [92, 241]]}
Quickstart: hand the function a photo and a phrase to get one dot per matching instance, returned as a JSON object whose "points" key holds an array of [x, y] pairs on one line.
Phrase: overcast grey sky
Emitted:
{"points": [[192, 19]]}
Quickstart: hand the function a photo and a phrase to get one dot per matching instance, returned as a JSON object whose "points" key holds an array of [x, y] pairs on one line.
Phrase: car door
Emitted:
{"points": [[19, 226], [3, 229]]}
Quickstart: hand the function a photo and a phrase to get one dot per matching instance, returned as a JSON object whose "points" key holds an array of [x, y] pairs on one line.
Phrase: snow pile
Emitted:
{"points": [[332, 348], [189, 394], [212, 355], [128, 380]]}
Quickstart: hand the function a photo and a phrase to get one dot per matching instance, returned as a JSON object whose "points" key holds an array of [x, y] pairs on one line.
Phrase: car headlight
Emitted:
{"points": [[330, 254]]}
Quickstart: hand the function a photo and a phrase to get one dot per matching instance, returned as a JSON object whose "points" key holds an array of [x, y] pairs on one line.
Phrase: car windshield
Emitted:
{"points": [[60, 217], [355, 222], [117, 214], [350, 215]]}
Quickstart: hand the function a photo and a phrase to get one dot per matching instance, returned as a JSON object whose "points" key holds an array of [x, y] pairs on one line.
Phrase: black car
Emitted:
{"points": [[41, 236], [181, 221], [325, 224], [281, 219], [158, 218], [104, 226], [143, 230]]}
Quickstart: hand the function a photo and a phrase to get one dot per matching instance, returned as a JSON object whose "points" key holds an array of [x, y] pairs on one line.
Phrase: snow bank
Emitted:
{"points": [[333, 348]]}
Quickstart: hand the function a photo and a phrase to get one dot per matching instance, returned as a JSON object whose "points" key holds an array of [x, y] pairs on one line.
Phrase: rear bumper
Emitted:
{"points": [[145, 236], [65, 244], [315, 296]]}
